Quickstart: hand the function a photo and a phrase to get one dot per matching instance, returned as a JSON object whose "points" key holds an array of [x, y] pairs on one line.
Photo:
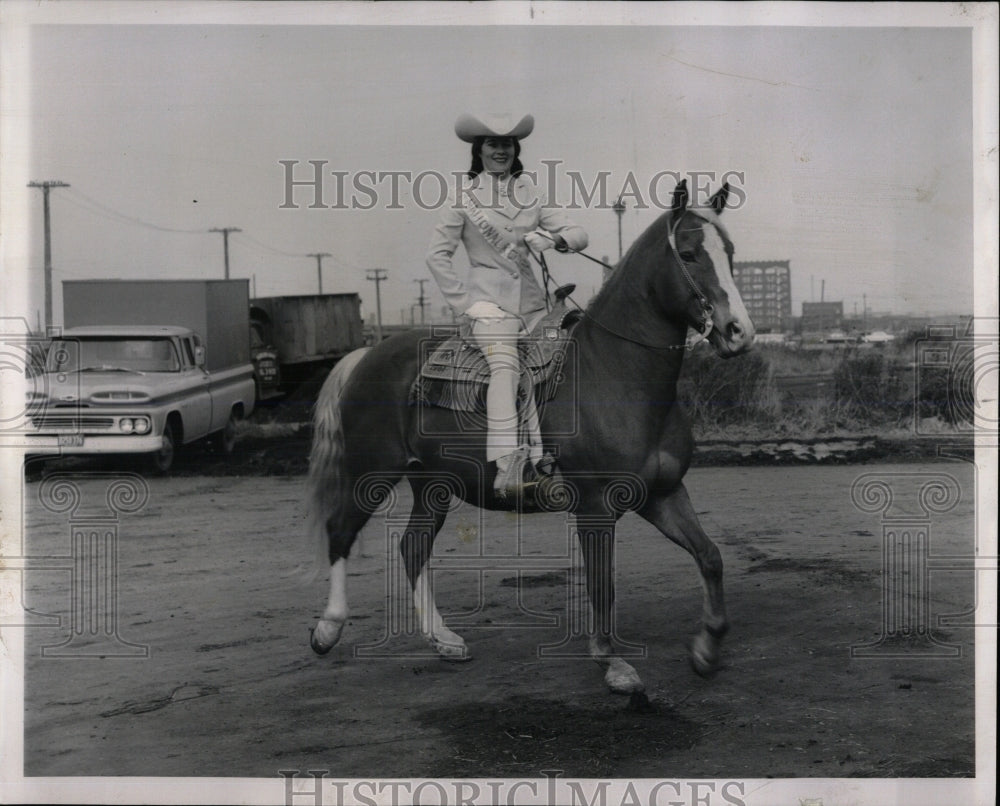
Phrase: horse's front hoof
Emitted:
{"points": [[704, 655], [325, 635], [451, 651], [622, 678]]}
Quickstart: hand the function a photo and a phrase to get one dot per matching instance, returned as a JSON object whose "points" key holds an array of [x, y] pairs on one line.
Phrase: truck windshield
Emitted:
{"points": [[109, 354]]}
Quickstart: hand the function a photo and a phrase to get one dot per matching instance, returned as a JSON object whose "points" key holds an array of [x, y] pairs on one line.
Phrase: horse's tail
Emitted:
{"points": [[326, 477]]}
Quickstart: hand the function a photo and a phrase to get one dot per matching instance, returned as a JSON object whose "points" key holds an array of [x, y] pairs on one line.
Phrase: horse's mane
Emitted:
{"points": [[621, 269]]}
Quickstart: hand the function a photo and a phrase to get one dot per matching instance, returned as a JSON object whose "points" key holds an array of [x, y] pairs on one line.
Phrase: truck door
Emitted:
{"points": [[196, 407]]}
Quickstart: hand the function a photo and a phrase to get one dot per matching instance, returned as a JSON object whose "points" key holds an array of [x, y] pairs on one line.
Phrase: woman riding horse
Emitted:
{"points": [[495, 214], [619, 433]]}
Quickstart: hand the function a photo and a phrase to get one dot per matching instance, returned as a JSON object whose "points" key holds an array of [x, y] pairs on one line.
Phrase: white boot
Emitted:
{"points": [[510, 479]]}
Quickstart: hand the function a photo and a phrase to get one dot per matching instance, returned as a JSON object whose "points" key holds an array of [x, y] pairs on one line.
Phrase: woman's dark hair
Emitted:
{"points": [[477, 158]]}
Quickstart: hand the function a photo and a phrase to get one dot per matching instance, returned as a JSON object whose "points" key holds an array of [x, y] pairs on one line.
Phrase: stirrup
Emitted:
{"points": [[546, 466], [515, 476]]}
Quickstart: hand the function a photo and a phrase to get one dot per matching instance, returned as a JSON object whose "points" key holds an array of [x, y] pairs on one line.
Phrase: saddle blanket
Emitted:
{"points": [[454, 374]]}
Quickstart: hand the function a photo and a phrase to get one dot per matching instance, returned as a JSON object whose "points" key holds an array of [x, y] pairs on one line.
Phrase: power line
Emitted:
{"points": [[95, 207], [282, 253], [117, 216], [273, 250]]}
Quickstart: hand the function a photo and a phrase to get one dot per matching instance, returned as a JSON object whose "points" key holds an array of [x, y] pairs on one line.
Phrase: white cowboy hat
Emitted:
{"points": [[469, 127]]}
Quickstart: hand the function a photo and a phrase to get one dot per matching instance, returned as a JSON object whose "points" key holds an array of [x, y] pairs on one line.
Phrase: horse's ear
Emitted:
{"points": [[718, 200], [679, 202]]}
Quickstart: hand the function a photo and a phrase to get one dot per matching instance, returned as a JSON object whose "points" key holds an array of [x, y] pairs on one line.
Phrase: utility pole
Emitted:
{"points": [[619, 208], [48, 244], [377, 276], [864, 310], [225, 242], [319, 266], [420, 299]]}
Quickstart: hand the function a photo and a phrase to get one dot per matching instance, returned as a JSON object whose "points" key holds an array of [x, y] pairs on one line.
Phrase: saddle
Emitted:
{"points": [[455, 374]]}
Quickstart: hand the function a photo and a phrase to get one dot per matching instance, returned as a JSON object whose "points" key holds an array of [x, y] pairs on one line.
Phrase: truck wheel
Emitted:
{"points": [[163, 459], [224, 441]]}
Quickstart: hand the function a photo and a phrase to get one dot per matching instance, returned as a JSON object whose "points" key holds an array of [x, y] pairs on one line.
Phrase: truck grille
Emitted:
{"points": [[72, 422]]}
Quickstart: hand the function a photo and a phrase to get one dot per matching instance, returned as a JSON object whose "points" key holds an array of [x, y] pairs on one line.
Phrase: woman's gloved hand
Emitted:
{"points": [[538, 241], [485, 310]]}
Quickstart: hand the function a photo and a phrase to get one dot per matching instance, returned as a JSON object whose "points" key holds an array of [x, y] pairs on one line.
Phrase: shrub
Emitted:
{"points": [[724, 392], [869, 389]]}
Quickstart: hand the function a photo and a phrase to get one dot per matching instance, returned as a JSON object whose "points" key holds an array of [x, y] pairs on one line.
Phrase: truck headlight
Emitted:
{"points": [[126, 425], [141, 425]]}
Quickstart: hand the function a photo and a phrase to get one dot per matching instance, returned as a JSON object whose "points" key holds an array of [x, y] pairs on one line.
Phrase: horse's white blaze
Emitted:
{"points": [[720, 260]]}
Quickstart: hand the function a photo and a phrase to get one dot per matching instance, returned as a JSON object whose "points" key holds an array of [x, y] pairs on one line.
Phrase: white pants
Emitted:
{"points": [[497, 338]]}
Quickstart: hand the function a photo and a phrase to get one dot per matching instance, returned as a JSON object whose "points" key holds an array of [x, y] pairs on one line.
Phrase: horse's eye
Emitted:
{"points": [[688, 256]]}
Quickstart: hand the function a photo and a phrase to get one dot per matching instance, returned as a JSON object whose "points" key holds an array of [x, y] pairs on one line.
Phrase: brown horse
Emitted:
{"points": [[629, 346]]}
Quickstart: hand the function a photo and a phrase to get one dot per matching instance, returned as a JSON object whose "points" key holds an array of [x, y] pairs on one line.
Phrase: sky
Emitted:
{"points": [[853, 146]]}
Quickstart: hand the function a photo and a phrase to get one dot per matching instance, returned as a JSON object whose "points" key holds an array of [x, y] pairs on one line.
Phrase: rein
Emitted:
{"points": [[706, 307]]}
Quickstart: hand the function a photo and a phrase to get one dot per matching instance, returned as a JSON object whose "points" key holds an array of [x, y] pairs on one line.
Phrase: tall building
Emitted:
{"points": [[766, 288]]}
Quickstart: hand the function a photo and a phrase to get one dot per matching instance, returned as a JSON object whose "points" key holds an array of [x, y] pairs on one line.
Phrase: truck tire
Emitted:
{"points": [[224, 441], [163, 460]]}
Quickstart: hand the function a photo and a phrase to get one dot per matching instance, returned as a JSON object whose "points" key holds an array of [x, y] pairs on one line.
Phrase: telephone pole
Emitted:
{"points": [[48, 244], [225, 242], [319, 266], [377, 276], [619, 208], [420, 299]]}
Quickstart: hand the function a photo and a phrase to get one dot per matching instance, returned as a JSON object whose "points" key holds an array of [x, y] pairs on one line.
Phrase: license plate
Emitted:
{"points": [[70, 440]]}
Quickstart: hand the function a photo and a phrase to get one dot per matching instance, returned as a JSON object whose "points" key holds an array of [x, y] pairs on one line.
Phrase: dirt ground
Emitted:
{"points": [[210, 582]]}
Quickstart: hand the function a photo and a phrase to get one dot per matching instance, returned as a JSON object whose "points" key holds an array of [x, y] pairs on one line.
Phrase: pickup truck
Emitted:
{"points": [[136, 389]]}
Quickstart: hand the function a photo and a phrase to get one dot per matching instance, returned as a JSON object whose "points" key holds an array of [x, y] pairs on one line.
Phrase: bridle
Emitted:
{"points": [[707, 309]]}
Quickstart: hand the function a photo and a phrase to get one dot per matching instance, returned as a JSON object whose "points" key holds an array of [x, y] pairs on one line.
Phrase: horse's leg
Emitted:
{"points": [[341, 529], [597, 540], [674, 515], [416, 545]]}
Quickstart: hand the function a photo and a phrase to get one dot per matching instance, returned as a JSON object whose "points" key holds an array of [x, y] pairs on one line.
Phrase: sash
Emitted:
{"points": [[492, 235]]}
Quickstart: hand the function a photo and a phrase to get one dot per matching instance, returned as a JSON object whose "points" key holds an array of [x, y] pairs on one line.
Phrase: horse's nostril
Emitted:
{"points": [[733, 330]]}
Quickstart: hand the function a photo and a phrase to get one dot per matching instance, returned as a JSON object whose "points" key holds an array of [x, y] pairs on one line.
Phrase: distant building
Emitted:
{"points": [[822, 317], [766, 288]]}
